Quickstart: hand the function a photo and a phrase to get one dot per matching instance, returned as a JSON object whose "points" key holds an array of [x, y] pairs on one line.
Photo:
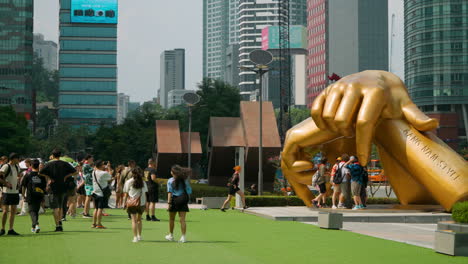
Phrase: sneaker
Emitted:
{"points": [[182, 239], [21, 214], [245, 207], [135, 240], [315, 203], [334, 207], [86, 216], [155, 219], [361, 206], [12, 233], [59, 229], [139, 238], [148, 218], [100, 227], [2, 232], [64, 219], [170, 237], [33, 230], [356, 207], [341, 206], [223, 210], [93, 226], [38, 229]]}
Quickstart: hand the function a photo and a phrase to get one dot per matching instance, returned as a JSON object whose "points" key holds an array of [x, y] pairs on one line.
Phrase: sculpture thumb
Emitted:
{"points": [[418, 119]]}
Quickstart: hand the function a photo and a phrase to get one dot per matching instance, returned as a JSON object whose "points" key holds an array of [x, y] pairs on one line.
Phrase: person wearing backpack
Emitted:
{"points": [[319, 180], [34, 186], [9, 174], [357, 172], [335, 181], [101, 193], [345, 185], [135, 190]]}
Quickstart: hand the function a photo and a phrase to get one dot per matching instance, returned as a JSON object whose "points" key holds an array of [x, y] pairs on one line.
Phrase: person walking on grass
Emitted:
{"points": [[153, 191], [135, 190], [57, 172], [34, 186], [178, 191], [9, 174], [101, 181], [233, 185], [88, 164]]}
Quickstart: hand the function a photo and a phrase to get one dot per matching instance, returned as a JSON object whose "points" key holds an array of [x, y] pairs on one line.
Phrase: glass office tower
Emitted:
{"points": [[16, 54], [436, 63], [88, 63]]}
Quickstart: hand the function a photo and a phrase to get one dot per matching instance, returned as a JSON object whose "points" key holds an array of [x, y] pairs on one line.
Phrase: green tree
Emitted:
{"points": [[14, 132], [298, 115], [45, 82]]}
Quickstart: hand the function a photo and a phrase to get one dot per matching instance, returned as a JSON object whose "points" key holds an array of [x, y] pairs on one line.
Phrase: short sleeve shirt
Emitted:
{"points": [[151, 184], [12, 178], [57, 170], [134, 193], [179, 191], [103, 178]]}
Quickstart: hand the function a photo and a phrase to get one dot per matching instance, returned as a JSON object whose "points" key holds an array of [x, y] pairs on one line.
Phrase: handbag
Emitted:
{"points": [[106, 191], [133, 202]]}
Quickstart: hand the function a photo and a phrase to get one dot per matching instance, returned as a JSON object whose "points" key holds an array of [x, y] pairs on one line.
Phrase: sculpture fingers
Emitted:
{"points": [[317, 109], [369, 115], [331, 106], [347, 112], [418, 119]]}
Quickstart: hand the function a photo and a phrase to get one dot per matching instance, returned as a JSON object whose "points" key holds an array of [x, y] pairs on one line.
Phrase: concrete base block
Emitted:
{"points": [[451, 243], [213, 202], [453, 226], [330, 220]]}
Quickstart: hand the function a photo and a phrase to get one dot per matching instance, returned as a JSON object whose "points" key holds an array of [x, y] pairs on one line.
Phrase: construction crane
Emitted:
{"points": [[284, 67]]}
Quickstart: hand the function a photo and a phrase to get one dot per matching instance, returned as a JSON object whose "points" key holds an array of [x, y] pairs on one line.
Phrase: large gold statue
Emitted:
{"points": [[374, 106]]}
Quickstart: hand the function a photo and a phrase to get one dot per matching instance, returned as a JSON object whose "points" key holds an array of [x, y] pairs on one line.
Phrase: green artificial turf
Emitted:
{"points": [[214, 237]]}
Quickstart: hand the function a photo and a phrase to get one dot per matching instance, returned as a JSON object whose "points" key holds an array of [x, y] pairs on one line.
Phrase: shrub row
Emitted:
{"points": [[460, 212], [198, 190]]}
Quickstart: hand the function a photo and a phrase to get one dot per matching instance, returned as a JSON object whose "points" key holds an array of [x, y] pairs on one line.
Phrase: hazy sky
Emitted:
{"points": [[146, 28]]}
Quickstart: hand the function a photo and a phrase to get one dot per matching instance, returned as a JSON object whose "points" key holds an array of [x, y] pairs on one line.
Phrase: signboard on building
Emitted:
{"points": [[297, 36], [94, 11]]}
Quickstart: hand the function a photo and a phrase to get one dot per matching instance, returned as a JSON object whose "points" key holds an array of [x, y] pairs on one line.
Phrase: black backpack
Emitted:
{"points": [[339, 175]]}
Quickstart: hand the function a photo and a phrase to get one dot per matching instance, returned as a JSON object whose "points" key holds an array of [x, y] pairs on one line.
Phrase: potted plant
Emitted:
{"points": [[451, 237]]}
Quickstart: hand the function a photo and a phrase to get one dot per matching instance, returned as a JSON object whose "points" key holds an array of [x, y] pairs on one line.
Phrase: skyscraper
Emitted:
{"points": [[172, 73], [88, 62], [436, 62], [220, 30], [16, 54], [345, 37], [122, 107], [46, 50], [253, 17]]}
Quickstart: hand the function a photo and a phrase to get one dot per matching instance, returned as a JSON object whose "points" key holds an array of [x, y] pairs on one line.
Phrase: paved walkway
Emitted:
{"points": [[374, 214], [415, 234]]}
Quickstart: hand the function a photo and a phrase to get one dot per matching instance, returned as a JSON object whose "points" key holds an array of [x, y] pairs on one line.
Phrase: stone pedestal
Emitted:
{"points": [[213, 202], [330, 220], [451, 243]]}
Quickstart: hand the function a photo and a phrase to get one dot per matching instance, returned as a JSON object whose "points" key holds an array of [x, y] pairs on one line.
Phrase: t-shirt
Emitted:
{"points": [[103, 177], [88, 174], [134, 193], [125, 175], [11, 178], [35, 186], [151, 184], [179, 191], [57, 170], [345, 171]]}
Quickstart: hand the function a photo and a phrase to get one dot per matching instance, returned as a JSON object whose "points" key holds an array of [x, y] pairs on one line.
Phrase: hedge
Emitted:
{"points": [[198, 190], [460, 212], [264, 201]]}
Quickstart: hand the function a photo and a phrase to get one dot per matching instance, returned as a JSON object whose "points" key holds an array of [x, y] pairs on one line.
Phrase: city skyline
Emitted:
{"points": [[138, 51]]}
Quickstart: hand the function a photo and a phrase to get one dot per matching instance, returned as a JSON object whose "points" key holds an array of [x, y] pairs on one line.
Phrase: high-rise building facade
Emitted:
{"points": [[46, 50], [88, 63], [172, 73], [436, 62], [16, 54], [253, 17], [220, 30], [122, 107], [345, 37]]}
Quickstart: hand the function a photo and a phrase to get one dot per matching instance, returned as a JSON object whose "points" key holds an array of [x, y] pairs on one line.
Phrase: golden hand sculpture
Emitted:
{"points": [[420, 167]]}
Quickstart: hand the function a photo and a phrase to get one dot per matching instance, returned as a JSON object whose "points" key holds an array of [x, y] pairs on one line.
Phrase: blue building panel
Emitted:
{"points": [[103, 59], [88, 86], [88, 72], [94, 113], [101, 32], [95, 45], [85, 99]]}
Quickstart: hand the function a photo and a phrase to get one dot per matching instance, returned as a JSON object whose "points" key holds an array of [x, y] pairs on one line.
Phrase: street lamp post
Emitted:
{"points": [[191, 99]]}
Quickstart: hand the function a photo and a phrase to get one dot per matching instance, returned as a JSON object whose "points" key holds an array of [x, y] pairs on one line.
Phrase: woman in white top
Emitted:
{"points": [[136, 188]]}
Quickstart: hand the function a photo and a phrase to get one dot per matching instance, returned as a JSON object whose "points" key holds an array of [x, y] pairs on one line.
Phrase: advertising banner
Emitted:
{"points": [[297, 37], [94, 11]]}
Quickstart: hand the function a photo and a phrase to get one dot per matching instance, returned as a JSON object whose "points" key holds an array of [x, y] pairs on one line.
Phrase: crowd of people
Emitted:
{"points": [[64, 186], [348, 183]]}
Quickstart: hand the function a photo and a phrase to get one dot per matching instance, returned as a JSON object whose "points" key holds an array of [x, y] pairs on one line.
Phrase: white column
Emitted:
{"points": [[240, 162]]}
